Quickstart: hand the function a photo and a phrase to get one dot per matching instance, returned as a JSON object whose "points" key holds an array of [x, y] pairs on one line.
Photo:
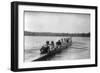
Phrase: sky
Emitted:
{"points": [[56, 22]]}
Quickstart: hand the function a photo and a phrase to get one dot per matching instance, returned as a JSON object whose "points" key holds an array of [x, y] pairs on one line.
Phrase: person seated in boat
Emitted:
{"points": [[45, 48], [58, 44], [52, 46], [66, 40], [71, 39], [62, 41]]}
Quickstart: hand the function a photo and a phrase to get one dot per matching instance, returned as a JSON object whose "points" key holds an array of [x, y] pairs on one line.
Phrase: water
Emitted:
{"points": [[80, 48]]}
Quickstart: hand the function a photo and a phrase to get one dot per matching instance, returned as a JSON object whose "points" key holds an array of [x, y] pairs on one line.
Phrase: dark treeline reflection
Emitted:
{"points": [[27, 33]]}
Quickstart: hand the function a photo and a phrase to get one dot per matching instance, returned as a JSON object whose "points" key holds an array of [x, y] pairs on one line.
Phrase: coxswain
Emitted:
{"points": [[45, 48]]}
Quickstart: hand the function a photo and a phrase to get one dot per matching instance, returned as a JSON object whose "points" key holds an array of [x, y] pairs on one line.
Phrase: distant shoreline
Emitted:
{"points": [[26, 33]]}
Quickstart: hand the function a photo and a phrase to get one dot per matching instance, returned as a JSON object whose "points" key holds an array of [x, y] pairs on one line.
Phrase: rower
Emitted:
{"points": [[62, 41], [58, 44], [52, 46]]}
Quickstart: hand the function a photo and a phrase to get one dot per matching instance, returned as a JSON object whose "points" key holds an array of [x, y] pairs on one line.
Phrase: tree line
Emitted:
{"points": [[27, 33]]}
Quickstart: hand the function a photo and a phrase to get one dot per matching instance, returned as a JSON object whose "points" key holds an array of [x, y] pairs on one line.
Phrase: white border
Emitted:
{"points": [[22, 64]]}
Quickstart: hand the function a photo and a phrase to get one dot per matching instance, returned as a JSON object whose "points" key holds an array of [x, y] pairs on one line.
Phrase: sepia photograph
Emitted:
{"points": [[51, 36]]}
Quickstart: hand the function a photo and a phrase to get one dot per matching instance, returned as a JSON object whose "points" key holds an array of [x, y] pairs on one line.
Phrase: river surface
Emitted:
{"points": [[80, 48]]}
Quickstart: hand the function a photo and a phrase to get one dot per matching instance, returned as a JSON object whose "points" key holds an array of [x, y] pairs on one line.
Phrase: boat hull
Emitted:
{"points": [[44, 56]]}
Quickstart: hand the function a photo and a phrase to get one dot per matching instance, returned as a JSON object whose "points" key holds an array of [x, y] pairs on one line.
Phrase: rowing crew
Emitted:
{"points": [[49, 47]]}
